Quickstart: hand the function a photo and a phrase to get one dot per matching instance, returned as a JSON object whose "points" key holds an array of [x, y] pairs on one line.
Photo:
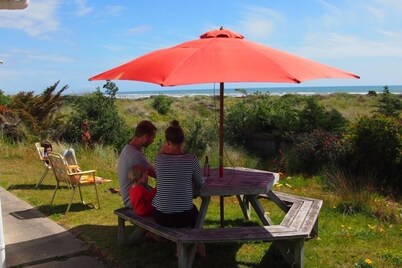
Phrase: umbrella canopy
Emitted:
{"points": [[220, 56]]}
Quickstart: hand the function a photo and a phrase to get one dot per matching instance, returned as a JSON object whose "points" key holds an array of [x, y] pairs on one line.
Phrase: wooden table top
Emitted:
{"points": [[238, 181]]}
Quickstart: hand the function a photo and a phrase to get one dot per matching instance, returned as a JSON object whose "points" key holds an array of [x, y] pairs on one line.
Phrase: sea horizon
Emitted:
{"points": [[277, 91]]}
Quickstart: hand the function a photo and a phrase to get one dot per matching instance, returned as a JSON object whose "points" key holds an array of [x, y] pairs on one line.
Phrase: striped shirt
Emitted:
{"points": [[175, 176]]}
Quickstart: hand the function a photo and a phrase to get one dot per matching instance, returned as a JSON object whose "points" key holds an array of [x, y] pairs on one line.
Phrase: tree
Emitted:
{"points": [[110, 89], [389, 104], [40, 112]]}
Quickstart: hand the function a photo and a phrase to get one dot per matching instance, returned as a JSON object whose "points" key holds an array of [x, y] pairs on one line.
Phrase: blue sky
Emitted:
{"points": [[72, 40]]}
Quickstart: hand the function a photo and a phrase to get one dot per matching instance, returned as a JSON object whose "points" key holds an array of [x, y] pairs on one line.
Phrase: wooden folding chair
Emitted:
{"points": [[70, 175], [45, 161]]}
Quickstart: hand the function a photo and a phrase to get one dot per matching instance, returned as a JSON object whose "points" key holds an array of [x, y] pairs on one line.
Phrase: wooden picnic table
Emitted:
{"points": [[247, 184], [300, 222]]}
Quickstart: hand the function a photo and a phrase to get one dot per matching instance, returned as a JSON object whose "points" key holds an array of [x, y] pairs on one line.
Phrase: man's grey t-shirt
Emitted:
{"points": [[128, 158]]}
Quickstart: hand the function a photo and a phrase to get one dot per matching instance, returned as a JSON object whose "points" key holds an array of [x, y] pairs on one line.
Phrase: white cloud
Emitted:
{"points": [[393, 4], [114, 10], [333, 15], [114, 48], [38, 56], [258, 22], [376, 12], [138, 29], [336, 45], [363, 29], [37, 20], [82, 8]]}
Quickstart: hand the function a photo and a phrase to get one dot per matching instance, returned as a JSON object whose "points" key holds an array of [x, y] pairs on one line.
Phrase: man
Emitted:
{"points": [[132, 155]]}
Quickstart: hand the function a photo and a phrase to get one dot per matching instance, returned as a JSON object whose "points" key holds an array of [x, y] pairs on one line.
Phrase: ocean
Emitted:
{"points": [[279, 91]]}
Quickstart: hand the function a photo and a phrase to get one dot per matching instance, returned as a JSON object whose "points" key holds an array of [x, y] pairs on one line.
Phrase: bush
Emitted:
{"points": [[196, 142], [314, 116], [375, 147], [161, 103], [100, 111], [315, 151], [9, 123], [4, 99], [260, 113], [389, 105], [40, 113], [239, 123]]}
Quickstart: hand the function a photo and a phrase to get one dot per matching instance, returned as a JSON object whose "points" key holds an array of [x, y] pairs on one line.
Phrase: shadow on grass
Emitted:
{"points": [[150, 253], [32, 187], [61, 209], [101, 242]]}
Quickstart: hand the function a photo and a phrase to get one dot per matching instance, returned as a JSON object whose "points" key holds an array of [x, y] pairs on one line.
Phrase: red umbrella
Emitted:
{"points": [[220, 56]]}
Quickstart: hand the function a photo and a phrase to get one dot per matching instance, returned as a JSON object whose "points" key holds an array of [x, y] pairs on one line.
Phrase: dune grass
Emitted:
{"points": [[343, 240]]}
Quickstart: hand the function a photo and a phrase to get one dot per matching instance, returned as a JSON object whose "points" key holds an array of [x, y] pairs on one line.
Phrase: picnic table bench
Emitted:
{"points": [[299, 224]]}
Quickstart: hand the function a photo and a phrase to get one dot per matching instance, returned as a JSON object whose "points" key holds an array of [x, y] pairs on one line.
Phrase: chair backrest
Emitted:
{"points": [[60, 167], [40, 150], [69, 156]]}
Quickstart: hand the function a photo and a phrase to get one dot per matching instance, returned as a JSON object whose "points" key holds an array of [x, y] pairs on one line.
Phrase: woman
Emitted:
{"points": [[176, 173]]}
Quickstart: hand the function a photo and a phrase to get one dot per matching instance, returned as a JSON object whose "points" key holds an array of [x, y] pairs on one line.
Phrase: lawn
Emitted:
{"points": [[343, 239]]}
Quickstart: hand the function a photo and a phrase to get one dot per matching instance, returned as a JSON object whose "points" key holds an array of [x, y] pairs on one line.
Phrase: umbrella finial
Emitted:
{"points": [[221, 28]]}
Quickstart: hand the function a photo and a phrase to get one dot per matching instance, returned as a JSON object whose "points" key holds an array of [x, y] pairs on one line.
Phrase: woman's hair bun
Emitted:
{"points": [[175, 123]]}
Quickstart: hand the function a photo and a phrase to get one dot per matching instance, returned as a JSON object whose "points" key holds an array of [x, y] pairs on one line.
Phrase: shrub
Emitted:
{"points": [[314, 116], [161, 103], [389, 104], [239, 123], [40, 113], [260, 113], [316, 150], [9, 123], [196, 142], [4, 99], [375, 147], [100, 111]]}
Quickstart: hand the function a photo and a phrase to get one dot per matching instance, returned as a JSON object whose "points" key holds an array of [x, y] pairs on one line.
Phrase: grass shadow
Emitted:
{"points": [[150, 253], [61, 209], [32, 187]]}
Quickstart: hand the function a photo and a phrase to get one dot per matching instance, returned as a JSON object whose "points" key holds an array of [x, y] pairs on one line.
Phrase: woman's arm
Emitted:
{"points": [[198, 179]]}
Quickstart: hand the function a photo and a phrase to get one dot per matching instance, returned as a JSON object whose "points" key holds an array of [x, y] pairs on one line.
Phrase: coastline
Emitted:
{"points": [[275, 91]]}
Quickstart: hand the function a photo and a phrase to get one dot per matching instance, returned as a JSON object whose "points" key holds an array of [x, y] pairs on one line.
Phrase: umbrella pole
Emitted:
{"points": [[221, 116]]}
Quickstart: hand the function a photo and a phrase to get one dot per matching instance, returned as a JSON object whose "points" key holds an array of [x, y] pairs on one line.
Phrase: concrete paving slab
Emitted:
{"points": [[31, 238]]}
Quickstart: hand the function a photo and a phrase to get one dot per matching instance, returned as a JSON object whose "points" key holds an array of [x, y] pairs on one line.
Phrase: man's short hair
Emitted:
{"points": [[145, 127]]}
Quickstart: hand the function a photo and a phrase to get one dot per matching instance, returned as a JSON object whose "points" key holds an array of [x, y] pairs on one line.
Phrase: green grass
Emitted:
{"points": [[343, 239]]}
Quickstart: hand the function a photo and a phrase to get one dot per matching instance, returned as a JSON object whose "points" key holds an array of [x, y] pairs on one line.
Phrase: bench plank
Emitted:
{"points": [[302, 214], [239, 234], [147, 223], [291, 214]]}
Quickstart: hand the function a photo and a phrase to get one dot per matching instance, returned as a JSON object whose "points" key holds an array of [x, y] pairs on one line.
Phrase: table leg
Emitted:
{"points": [[222, 210], [121, 226], [203, 211], [259, 209], [245, 206]]}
